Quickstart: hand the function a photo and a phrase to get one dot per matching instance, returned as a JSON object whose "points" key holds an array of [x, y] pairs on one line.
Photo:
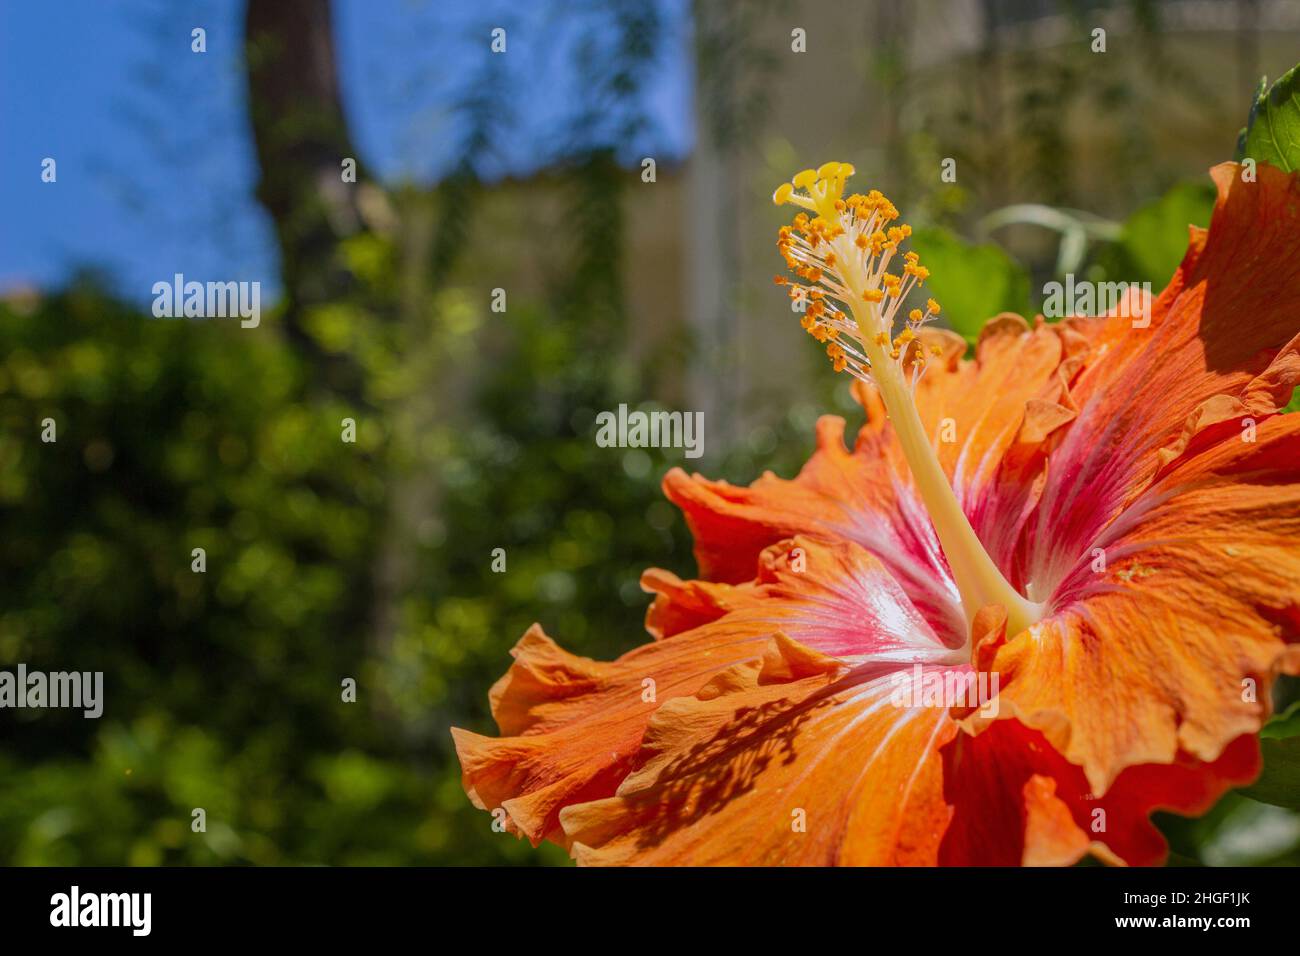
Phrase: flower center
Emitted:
{"points": [[852, 302]]}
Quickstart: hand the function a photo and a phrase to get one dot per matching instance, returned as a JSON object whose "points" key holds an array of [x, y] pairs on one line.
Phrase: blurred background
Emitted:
{"points": [[626, 282]]}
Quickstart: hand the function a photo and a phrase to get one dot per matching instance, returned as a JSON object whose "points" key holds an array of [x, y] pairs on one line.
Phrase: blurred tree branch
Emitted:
{"points": [[301, 138]]}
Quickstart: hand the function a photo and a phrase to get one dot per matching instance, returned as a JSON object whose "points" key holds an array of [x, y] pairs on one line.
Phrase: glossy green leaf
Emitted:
{"points": [[1279, 742], [1272, 133], [972, 282]]}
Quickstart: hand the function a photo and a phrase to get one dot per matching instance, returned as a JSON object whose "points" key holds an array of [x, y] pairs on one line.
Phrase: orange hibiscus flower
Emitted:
{"points": [[1045, 594]]}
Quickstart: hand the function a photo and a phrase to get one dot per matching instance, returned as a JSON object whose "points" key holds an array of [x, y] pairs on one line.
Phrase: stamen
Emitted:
{"points": [[842, 253]]}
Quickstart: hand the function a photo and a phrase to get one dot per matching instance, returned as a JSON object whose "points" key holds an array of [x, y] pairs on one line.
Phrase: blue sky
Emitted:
{"points": [[155, 164]]}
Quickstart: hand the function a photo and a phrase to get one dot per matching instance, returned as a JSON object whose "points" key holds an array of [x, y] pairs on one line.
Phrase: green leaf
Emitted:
{"points": [[1279, 741], [1284, 725], [1250, 117], [1154, 239], [972, 282], [1273, 131]]}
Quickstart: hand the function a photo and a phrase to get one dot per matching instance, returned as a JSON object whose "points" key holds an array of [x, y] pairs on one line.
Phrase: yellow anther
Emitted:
{"points": [[916, 315], [873, 295], [837, 356], [932, 305]]}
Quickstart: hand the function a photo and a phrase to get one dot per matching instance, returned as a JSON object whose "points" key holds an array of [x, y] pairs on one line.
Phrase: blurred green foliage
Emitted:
{"points": [[1279, 784], [223, 688], [1153, 240], [221, 692], [971, 282]]}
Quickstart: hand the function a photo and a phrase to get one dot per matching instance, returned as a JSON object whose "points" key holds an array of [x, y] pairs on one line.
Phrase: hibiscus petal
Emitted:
{"points": [[813, 770], [837, 494], [1173, 648], [573, 725], [987, 418], [851, 496], [1052, 838], [997, 784], [1223, 342], [834, 596]]}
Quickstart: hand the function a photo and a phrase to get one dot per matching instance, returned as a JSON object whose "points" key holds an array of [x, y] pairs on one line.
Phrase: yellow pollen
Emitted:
{"points": [[838, 245]]}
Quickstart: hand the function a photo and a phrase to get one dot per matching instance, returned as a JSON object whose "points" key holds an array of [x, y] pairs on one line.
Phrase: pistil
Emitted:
{"points": [[843, 254]]}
